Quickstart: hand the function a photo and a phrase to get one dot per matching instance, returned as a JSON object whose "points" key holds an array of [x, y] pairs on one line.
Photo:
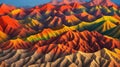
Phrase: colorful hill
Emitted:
{"points": [[77, 41], [5, 9], [101, 2], [8, 24], [66, 33]]}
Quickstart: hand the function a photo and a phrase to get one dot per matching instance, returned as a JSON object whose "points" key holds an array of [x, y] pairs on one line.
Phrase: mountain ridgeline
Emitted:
{"points": [[66, 33]]}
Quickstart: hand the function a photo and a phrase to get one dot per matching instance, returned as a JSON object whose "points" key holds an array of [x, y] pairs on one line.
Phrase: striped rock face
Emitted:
{"points": [[60, 34]]}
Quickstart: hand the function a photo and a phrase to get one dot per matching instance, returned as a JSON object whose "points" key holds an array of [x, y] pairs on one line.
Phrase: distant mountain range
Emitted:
{"points": [[60, 34]]}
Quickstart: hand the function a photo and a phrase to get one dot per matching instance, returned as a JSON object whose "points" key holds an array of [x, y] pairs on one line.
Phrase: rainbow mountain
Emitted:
{"points": [[60, 34]]}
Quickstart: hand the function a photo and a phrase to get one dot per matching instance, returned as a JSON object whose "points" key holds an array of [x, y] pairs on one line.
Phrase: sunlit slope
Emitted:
{"points": [[3, 36], [36, 28], [101, 25], [114, 32], [5, 9], [85, 41], [15, 44]]}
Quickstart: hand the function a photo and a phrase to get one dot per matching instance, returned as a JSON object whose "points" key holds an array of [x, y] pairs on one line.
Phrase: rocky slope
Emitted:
{"points": [[67, 33], [25, 58]]}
